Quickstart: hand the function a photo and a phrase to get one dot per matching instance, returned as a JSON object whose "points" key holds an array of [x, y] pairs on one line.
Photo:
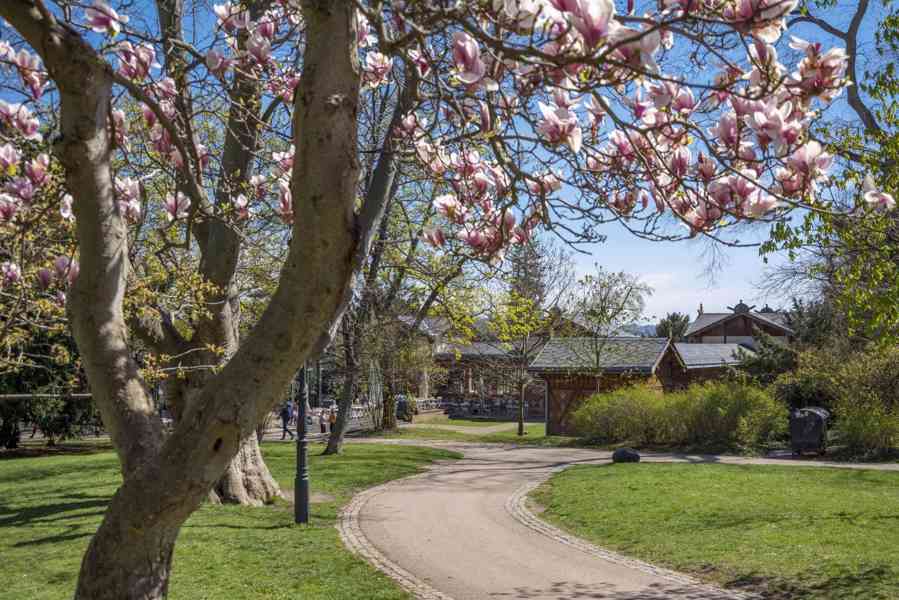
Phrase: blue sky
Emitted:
{"points": [[678, 272]]}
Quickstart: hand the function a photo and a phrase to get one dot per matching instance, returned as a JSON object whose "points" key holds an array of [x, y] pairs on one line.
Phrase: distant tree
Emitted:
{"points": [[538, 270], [770, 359], [673, 326], [603, 303], [520, 327]]}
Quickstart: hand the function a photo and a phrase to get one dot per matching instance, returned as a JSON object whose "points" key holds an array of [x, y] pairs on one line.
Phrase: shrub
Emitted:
{"points": [[867, 401], [861, 389], [723, 414], [632, 414]]}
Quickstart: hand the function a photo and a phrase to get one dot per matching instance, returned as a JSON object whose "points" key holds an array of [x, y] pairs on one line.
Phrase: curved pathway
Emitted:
{"points": [[462, 531]]}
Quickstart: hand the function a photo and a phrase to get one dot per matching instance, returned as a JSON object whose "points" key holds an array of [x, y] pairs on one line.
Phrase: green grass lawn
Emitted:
{"points": [[794, 533], [536, 435], [50, 506]]}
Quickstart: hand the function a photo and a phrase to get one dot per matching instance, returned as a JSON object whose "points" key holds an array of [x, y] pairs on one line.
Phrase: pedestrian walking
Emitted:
{"points": [[332, 419], [323, 421], [286, 415]]}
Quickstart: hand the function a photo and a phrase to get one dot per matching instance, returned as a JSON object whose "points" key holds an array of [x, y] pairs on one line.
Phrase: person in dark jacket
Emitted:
{"points": [[286, 415]]}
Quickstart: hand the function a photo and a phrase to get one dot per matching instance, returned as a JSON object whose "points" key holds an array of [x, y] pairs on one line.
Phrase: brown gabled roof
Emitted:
{"points": [[706, 320]]}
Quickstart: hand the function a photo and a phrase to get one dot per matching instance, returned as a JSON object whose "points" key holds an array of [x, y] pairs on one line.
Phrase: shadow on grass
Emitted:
{"points": [[53, 512], [873, 583], [60, 449]]}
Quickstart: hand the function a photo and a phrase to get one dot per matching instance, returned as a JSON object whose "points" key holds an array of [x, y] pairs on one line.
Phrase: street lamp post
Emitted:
{"points": [[301, 480]]}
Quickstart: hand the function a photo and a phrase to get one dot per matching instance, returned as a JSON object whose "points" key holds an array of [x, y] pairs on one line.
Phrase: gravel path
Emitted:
{"points": [[463, 531]]}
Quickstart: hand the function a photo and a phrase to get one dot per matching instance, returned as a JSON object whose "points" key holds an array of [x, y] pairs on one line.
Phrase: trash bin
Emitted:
{"points": [[808, 430]]}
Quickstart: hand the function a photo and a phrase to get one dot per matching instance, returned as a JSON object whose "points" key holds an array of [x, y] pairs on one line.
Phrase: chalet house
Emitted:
{"points": [[569, 367], [738, 326]]}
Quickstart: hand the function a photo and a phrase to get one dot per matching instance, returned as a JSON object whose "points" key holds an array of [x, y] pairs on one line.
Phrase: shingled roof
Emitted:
{"points": [[615, 354], [704, 356], [706, 320]]}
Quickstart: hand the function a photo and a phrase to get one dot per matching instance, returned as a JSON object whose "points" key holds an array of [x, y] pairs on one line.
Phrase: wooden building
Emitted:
{"points": [[569, 367], [738, 326]]}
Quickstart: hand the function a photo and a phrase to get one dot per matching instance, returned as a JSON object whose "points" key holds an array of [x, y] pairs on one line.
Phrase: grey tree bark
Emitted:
{"points": [[165, 479], [348, 393]]}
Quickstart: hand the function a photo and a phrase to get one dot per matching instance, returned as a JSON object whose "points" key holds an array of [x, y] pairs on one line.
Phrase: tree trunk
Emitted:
{"points": [[130, 556], [344, 408], [521, 409], [389, 422], [351, 338], [247, 479]]}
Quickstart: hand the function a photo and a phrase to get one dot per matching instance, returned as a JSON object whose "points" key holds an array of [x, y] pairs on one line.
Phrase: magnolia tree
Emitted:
{"points": [[561, 113]]}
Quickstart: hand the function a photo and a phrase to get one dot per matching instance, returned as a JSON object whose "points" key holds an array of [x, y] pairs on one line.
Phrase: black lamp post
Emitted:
{"points": [[301, 480]]}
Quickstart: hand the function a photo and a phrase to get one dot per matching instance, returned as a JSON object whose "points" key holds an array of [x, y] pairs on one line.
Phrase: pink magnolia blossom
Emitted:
{"points": [[29, 67], [127, 188], [521, 235], [285, 202], [727, 131], [217, 63], [364, 37], [377, 69], [876, 198], [148, 114], [9, 159], [284, 160], [595, 111], [559, 125], [764, 19], [119, 127], [762, 204], [450, 207], [44, 278], [476, 239], [231, 18], [258, 184], [62, 267], [636, 48], [176, 206], [267, 26], [65, 207], [102, 18], [593, 19], [467, 57], [128, 198], [135, 62], [407, 126], [811, 161], [434, 236], [544, 184], [819, 74], [684, 102], [679, 164], [705, 167], [20, 118], [259, 48], [166, 89], [9, 206], [22, 188], [10, 273], [420, 60], [242, 206]]}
